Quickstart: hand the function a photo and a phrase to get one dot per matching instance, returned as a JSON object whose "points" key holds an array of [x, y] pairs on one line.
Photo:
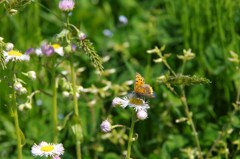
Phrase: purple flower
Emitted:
{"points": [[74, 47], [105, 126], [29, 51], [47, 49], [66, 5]]}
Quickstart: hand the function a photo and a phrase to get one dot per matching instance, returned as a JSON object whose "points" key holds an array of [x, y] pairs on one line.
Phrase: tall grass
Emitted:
{"points": [[209, 28]]}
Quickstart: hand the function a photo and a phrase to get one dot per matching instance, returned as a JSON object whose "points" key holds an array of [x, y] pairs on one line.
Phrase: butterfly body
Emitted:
{"points": [[142, 89]]}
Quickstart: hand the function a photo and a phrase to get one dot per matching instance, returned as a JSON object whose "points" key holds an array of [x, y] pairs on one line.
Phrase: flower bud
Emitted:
{"points": [[105, 126], [32, 75], [66, 94], [9, 46], [13, 11], [22, 91], [68, 49], [142, 115], [66, 5], [82, 36], [17, 86]]}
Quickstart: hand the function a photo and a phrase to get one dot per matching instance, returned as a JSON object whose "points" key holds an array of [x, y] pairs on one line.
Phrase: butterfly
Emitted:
{"points": [[142, 89]]}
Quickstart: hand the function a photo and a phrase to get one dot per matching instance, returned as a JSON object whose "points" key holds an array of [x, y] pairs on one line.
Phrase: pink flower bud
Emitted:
{"points": [[66, 5], [105, 126], [142, 115]]}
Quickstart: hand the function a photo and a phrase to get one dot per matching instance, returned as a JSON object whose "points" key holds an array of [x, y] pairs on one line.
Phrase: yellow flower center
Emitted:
{"points": [[47, 148], [136, 101], [56, 46], [14, 53]]}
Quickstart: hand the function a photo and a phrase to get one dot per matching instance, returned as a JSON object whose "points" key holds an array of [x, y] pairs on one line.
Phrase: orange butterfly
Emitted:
{"points": [[142, 89]]}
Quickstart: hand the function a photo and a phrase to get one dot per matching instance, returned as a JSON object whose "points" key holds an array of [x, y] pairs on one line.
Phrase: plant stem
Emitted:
{"points": [[75, 100], [54, 101], [16, 122], [130, 137], [189, 116]]}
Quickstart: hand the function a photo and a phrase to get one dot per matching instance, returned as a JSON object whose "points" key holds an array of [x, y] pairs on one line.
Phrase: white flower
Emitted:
{"points": [[142, 114], [119, 101], [47, 149], [17, 86], [131, 100], [58, 49], [32, 75], [23, 90], [105, 126], [9, 46], [136, 102], [14, 55], [38, 52], [123, 19]]}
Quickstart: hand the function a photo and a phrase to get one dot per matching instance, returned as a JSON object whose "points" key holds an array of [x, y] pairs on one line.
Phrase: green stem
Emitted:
{"points": [[130, 137], [75, 100], [189, 116], [16, 122], [54, 101]]}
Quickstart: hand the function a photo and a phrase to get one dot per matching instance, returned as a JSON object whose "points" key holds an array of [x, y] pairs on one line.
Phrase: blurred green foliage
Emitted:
{"points": [[209, 28]]}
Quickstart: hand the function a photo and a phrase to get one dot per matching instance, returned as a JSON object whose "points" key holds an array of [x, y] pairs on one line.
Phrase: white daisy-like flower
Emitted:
{"points": [[118, 101], [14, 55], [58, 49], [47, 149], [136, 102], [131, 100]]}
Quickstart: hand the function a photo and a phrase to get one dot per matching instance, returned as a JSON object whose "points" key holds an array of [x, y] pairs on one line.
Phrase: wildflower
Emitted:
{"points": [[73, 47], [14, 55], [66, 5], [136, 102], [47, 49], [82, 36], [22, 90], [9, 46], [38, 52], [107, 33], [29, 51], [17, 86], [58, 49], [123, 19], [106, 126], [25, 105], [47, 149], [131, 100], [32, 75], [65, 94], [142, 114], [119, 101]]}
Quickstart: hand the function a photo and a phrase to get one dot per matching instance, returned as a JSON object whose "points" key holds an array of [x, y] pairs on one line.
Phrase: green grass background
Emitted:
{"points": [[210, 28]]}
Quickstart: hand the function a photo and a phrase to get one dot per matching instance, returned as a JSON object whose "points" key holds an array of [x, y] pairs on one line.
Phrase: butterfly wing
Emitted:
{"points": [[142, 89], [139, 82]]}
